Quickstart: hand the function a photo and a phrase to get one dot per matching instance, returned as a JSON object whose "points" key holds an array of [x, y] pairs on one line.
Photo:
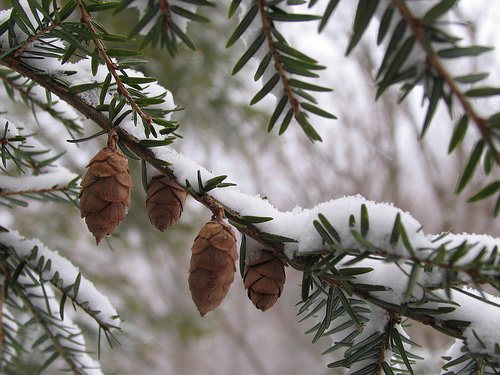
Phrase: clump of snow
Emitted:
{"points": [[475, 242], [482, 336], [67, 272]]}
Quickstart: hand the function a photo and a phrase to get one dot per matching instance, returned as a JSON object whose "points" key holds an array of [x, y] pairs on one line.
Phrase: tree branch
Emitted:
{"points": [[433, 61], [27, 95], [6, 193], [21, 293], [266, 26], [112, 68]]}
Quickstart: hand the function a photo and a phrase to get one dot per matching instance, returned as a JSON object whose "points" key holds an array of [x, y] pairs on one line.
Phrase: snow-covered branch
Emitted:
{"points": [[62, 181], [57, 270], [66, 337]]}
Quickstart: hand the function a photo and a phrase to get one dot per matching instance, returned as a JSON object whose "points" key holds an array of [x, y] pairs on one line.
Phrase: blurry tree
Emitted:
{"points": [[352, 302]]}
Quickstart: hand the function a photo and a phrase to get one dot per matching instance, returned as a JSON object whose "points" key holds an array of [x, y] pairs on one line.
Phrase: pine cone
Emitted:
{"points": [[105, 195], [264, 278], [212, 265], [164, 202]]}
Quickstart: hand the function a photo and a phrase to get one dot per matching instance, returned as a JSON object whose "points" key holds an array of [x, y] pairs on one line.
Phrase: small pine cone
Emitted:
{"points": [[164, 202], [212, 265], [105, 195], [264, 278]]}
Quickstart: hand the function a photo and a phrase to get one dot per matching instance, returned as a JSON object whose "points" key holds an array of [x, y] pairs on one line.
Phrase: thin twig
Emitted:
{"points": [[112, 68], [266, 26], [214, 206], [383, 347], [433, 60], [7, 193], [166, 14], [33, 38]]}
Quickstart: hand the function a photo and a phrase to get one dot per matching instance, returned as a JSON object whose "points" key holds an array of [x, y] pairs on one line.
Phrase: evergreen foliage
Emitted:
{"points": [[59, 57]]}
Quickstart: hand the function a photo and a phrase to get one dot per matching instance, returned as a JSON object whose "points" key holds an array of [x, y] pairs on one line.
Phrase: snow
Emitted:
{"points": [[48, 180], [476, 243], [104, 311], [483, 318]]}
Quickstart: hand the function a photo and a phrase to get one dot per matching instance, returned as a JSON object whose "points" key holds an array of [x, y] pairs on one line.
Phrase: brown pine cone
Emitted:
{"points": [[105, 195], [164, 202], [264, 278], [212, 265]]}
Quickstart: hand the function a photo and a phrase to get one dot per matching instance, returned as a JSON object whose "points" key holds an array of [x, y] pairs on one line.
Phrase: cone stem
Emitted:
{"points": [[216, 208], [112, 139]]}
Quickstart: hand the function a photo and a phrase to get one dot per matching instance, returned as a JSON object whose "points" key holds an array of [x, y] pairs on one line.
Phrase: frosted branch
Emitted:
{"points": [[63, 275], [66, 337]]}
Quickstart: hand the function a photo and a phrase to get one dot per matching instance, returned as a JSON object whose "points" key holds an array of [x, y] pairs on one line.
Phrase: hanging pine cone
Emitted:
{"points": [[164, 202], [105, 195], [212, 265], [264, 278]]}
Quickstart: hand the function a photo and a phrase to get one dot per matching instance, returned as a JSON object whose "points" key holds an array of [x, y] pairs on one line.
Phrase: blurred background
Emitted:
{"points": [[372, 150]]}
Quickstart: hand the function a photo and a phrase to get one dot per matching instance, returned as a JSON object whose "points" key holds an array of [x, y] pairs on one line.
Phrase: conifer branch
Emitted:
{"points": [[266, 26], [37, 314], [472, 273], [405, 310], [32, 39], [26, 94], [433, 61], [110, 65]]}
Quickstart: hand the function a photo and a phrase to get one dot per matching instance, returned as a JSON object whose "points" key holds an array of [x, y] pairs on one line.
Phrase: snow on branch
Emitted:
{"points": [[63, 275], [59, 181], [17, 87], [67, 341]]}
